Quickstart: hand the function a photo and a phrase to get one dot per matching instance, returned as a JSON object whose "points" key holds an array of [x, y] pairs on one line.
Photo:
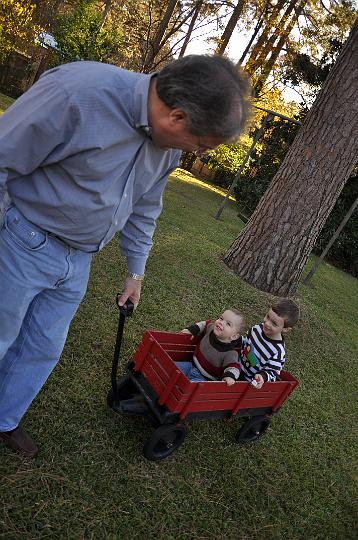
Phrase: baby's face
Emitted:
{"points": [[227, 326]]}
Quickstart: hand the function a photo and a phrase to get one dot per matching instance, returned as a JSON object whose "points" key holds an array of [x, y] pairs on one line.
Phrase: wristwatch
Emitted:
{"points": [[138, 277]]}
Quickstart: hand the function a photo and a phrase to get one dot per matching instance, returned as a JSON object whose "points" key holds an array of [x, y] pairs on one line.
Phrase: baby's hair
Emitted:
{"points": [[239, 314], [288, 310]]}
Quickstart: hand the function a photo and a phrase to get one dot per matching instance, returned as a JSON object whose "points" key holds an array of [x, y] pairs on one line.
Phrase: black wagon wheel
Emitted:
{"points": [[126, 389], [164, 441], [253, 429]]}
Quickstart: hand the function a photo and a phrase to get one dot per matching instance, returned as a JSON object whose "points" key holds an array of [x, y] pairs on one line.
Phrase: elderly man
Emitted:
{"points": [[84, 153]]}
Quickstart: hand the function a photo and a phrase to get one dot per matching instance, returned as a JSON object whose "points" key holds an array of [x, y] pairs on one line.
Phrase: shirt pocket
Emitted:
{"points": [[23, 233]]}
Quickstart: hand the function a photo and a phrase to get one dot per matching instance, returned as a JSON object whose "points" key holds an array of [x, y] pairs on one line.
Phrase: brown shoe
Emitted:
{"points": [[20, 441]]}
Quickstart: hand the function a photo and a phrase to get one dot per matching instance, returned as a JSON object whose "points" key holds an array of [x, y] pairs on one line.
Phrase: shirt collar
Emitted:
{"points": [[141, 93], [223, 346]]}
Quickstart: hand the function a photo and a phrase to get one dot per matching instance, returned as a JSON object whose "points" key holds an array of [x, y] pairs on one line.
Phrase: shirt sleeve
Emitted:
{"points": [[231, 365], [272, 368], [136, 237], [39, 121], [198, 329]]}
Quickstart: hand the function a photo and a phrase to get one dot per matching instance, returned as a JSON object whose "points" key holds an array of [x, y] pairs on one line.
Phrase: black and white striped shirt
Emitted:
{"points": [[269, 355]]}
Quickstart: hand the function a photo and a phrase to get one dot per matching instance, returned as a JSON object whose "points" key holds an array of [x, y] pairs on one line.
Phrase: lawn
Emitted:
{"points": [[5, 102], [91, 481]]}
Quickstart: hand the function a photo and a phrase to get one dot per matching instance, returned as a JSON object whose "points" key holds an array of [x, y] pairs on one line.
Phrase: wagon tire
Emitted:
{"points": [[253, 429], [164, 441], [125, 390]]}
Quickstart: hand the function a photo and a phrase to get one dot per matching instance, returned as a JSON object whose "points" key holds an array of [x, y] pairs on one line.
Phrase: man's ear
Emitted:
{"points": [[287, 329], [177, 116]]}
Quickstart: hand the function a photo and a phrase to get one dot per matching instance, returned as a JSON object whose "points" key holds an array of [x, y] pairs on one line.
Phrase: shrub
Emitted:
{"points": [[79, 35], [227, 159], [187, 160]]}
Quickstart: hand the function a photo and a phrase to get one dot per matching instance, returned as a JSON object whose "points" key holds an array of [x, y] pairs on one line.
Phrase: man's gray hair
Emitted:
{"points": [[211, 90]]}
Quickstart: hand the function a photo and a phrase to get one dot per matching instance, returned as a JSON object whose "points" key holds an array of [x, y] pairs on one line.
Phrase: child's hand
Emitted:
{"points": [[229, 381], [259, 381], [186, 331]]}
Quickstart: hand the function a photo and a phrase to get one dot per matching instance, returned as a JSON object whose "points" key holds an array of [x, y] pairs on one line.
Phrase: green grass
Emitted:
{"points": [[5, 102], [90, 480]]}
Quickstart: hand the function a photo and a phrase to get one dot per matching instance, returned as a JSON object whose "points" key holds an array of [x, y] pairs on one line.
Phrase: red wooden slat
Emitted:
{"points": [[180, 356], [239, 401], [188, 406], [164, 395], [283, 396], [144, 347]]}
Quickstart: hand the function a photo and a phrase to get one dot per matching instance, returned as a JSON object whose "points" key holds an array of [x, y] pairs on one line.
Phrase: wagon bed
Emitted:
{"points": [[155, 370]]}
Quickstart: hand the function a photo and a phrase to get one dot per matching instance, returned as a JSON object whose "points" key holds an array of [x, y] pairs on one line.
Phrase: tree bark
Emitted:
{"points": [[272, 250], [191, 27], [154, 46], [250, 65], [268, 65], [277, 32], [252, 39], [106, 11], [230, 27]]}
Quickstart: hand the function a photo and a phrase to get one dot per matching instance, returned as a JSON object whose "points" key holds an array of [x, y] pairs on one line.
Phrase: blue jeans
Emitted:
{"points": [[192, 372], [42, 282]]}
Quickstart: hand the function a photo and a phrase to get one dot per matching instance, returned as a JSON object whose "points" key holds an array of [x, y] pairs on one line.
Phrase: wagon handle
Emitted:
{"points": [[127, 308], [124, 311]]}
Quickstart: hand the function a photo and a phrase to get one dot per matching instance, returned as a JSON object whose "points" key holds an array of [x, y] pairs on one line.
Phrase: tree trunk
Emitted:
{"points": [[191, 27], [271, 20], [106, 11], [267, 67], [154, 46], [252, 39], [277, 32], [272, 250], [230, 27]]}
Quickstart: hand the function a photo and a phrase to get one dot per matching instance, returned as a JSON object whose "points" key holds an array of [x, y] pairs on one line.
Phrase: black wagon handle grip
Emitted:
{"points": [[127, 308]]}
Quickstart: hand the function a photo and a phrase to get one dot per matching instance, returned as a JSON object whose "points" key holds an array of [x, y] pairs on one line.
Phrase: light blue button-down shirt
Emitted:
{"points": [[77, 161]]}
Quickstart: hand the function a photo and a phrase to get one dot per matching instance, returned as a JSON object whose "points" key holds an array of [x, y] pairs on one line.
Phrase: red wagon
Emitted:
{"points": [[155, 387]]}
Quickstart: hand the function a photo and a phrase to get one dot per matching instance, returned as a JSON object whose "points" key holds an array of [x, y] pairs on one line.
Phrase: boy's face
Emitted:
{"points": [[274, 325], [227, 326]]}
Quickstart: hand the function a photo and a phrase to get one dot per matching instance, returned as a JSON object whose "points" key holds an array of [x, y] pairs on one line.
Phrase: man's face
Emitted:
{"points": [[171, 131]]}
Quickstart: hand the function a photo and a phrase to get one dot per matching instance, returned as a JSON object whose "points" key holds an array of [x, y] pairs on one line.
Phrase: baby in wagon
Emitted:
{"points": [[215, 357]]}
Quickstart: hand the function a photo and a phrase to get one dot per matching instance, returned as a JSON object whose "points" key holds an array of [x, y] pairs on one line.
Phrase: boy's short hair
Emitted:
{"points": [[288, 310], [238, 313]]}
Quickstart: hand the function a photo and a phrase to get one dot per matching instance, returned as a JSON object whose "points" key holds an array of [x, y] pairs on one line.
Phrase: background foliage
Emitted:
{"points": [[227, 159], [17, 26], [79, 35]]}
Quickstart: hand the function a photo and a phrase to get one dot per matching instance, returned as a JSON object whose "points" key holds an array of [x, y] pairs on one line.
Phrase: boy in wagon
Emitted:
{"points": [[215, 357], [263, 348]]}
